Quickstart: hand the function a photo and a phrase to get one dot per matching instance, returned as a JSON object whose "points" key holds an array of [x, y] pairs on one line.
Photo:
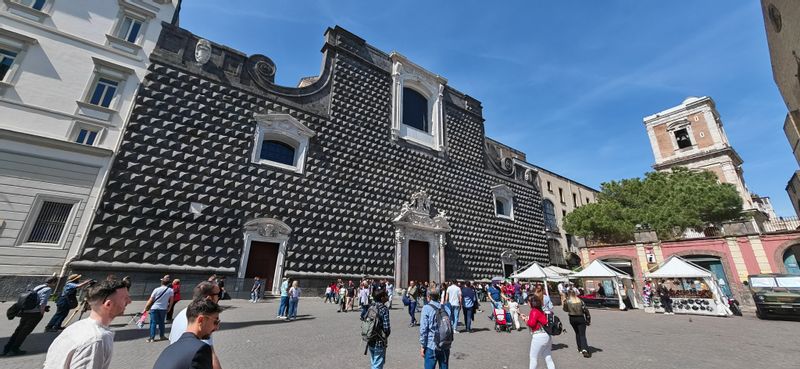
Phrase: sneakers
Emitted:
{"points": [[586, 353], [149, 340]]}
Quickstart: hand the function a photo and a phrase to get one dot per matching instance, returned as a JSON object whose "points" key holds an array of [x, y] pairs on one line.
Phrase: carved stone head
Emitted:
{"points": [[202, 51]]}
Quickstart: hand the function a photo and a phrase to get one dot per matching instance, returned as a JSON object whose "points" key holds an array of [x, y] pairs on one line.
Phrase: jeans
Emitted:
{"points": [[432, 357], [541, 345], [254, 296], [328, 297], [157, 319], [283, 307], [293, 308], [469, 315], [412, 310], [377, 355], [364, 309], [62, 309], [27, 323], [454, 311], [578, 324], [342, 304]]}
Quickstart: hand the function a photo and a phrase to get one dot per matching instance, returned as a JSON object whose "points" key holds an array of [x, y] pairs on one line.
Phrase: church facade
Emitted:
{"points": [[376, 167]]}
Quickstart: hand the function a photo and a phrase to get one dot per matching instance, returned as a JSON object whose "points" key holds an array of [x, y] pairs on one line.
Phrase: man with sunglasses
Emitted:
{"points": [[189, 351], [89, 343], [203, 291]]}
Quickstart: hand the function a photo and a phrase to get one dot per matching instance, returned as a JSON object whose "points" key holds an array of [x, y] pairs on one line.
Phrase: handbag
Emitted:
{"points": [[587, 316], [406, 300]]}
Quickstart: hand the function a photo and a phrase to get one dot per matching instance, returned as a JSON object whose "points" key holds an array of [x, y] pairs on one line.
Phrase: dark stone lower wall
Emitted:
{"points": [[12, 285]]}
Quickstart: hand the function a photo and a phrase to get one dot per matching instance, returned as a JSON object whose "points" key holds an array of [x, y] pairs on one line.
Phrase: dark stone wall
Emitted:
{"points": [[190, 139]]}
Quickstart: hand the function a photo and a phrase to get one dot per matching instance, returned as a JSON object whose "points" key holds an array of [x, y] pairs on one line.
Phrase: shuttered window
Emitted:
{"points": [[50, 222]]}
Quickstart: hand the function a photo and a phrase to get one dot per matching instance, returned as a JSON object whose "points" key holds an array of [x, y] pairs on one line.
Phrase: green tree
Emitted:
{"points": [[666, 202]]}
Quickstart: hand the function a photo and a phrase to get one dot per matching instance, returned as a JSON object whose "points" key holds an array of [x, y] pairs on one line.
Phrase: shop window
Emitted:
{"points": [[281, 141], [682, 138]]}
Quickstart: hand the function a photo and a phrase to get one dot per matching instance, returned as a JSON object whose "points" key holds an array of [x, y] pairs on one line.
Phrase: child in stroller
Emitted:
{"points": [[502, 319]]}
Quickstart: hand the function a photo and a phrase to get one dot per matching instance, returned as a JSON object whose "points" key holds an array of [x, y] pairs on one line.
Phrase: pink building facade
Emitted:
{"points": [[731, 258]]}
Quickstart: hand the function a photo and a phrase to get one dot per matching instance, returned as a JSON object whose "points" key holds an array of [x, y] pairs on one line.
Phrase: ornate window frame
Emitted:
{"points": [[16, 43], [33, 216], [407, 74], [505, 195], [286, 129]]}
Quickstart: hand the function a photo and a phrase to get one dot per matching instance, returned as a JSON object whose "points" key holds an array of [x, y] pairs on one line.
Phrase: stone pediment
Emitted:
{"points": [[416, 213], [268, 227]]}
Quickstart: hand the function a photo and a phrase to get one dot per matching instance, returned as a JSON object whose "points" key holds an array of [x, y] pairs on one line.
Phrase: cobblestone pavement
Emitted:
{"points": [[251, 337]]}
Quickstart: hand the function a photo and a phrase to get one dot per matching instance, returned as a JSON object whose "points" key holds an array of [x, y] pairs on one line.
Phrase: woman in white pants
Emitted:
{"points": [[541, 342]]}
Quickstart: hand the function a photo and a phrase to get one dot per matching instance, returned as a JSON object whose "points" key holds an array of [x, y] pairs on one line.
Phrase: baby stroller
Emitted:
{"points": [[502, 320]]}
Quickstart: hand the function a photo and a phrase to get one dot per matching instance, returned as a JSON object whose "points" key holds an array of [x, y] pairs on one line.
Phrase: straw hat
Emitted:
{"points": [[74, 277]]}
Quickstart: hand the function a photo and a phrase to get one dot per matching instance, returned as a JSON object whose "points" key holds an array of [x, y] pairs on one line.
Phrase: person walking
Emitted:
{"points": [[67, 301], [428, 329], [159, 302], [579, 319], [562, 292], [470, 299], [189, 351], [377, 347], [176, 296], [541, 342], [203, 291], [665, 298], [454, 298], [89, 343], [255, 291], [29, 319], [328, 294], [412, 292], [283, 307], [294, 299], [495, 298], [363, 299], [390, 292], [342, 299], [351, 295]]}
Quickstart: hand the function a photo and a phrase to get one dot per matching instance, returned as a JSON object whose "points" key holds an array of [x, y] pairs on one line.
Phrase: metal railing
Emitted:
{"points": [[781, 224]]}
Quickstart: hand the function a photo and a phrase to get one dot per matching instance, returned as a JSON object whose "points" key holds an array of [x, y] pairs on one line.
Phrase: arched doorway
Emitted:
{"points": [[790, 260], [265, 241], [715, 266], [509, 260]]}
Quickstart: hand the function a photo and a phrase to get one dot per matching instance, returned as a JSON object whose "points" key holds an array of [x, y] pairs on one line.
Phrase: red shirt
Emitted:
{"points": [[537, 319]]}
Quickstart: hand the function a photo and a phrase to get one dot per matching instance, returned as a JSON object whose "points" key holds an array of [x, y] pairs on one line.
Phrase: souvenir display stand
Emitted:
{"points": [[600, 270], [704, 298]]}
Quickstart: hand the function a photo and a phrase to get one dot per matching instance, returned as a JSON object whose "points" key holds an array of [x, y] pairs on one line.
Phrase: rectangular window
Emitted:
{"points": [[563, 214], [86, 137], [549, 186], [574, 200], [682, 138], [6, 61], [587, 200], [50, 222], [104, 91], [129, 29], [561, 195], [35, 4]]}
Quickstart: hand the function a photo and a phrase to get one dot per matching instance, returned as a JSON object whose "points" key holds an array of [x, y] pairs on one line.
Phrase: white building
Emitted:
{"points": [[69, 72]]}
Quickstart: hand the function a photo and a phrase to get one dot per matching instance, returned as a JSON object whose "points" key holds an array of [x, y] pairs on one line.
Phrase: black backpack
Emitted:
{"points": [[553, 327], [26, 301], [443, 337]]}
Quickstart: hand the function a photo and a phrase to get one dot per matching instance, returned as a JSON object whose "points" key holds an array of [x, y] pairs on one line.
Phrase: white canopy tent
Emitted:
{"points": [[535, 272], [678, 267], [560, 271], [599, 269]]}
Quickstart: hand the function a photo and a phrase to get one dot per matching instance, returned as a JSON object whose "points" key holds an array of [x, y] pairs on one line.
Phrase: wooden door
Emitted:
{"points": [[262, 261], [418, 261]]}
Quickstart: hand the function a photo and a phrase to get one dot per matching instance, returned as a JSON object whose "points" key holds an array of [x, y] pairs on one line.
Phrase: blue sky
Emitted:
{"points": [[567, 82]]}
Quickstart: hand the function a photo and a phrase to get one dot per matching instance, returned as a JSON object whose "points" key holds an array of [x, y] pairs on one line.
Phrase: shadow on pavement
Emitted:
{"points": [[236, 325], [559, 346], [592, 349]]}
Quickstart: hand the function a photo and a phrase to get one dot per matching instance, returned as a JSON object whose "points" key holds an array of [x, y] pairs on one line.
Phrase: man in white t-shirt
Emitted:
{"points": [[89, 343], [204, 290], [159, 302], [453, 296]]}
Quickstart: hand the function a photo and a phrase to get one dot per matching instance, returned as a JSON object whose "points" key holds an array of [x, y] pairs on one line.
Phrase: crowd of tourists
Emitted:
{"points": [[88, 343]]}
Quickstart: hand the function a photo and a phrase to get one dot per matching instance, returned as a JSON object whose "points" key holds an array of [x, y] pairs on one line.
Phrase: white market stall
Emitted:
{"points": [[560, 271], [535, 272], [600, 270], [702, 298]]}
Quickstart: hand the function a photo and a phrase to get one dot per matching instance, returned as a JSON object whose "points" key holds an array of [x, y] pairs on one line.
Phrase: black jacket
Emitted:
{"points": [[188, 352]]}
